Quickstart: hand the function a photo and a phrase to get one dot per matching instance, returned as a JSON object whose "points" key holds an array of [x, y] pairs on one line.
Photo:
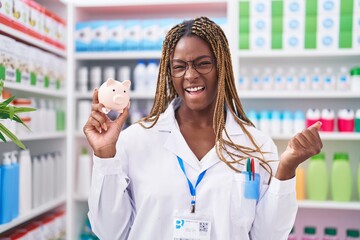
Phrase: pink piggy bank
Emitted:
{"points": [[114, 95]]}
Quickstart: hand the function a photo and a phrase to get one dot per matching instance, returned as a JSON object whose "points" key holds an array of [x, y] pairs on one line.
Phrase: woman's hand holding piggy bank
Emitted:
{"points": [[114, 95]]}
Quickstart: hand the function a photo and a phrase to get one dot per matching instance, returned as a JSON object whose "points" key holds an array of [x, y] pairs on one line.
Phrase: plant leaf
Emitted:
{"points": [[23, 109], [6, 102], [11, 136], [2, 137], [11, 111]]}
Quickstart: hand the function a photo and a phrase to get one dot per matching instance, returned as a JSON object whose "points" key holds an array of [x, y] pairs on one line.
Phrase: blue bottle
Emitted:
{"points": [[6, 196], [16, 185]]}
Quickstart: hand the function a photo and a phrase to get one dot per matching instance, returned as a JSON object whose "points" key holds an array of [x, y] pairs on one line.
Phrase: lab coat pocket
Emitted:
{"points": [[243, 203]]}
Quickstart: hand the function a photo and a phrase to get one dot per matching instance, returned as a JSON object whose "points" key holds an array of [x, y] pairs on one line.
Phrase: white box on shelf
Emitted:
{"points": [[260, 8], [294, 8], [293, 41], [328, 7]]}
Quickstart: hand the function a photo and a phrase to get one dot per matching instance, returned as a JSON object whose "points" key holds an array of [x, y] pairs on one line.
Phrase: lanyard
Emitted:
{"points": [[191, 187]]}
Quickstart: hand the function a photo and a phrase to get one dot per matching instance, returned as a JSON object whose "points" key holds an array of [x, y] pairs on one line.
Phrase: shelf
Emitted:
{"points": [[133, 95], [34, 39], [299, 54], [118, 55], [32, 214], [280, 94], [79, 198], [329, 205], [324, 136], [33, 89], [42, 136], [114, 3]]}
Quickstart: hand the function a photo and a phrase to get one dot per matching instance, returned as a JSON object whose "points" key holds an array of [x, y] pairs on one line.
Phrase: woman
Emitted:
{"points": [[185, 171]]}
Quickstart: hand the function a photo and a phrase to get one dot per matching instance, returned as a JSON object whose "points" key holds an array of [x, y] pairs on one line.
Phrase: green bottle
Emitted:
{"points": [[341, 178], [352, 234], [330, 233], [309, 233], [317, 178]]}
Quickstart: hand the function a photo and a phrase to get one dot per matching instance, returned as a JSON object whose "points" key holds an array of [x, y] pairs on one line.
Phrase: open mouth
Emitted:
{"points": [[194, 90]]}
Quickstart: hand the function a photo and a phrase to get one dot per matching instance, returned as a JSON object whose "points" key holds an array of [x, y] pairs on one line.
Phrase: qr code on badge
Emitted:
{"points": [[203, 227]]}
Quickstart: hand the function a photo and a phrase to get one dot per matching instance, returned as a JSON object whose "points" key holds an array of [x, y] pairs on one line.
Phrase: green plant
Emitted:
{"points": [[8, 111]]}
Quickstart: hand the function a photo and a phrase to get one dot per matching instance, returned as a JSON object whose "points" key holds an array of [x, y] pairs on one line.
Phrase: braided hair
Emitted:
{"points": [[227, 95]]}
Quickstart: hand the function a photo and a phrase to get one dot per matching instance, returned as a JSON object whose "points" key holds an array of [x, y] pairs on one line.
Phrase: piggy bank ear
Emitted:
{"points": [[127, 83], [110, 81]]}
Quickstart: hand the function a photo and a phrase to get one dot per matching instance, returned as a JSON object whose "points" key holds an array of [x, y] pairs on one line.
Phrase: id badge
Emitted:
{"points": [[191, 227]]}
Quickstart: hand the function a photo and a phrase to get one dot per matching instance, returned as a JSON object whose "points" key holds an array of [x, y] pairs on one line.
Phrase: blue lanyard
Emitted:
{"points": [[191, 187]]}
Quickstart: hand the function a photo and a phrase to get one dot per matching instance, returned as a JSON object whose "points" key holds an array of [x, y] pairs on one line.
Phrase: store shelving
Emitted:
{"points": [[35, 90], [35, 41], [93, 56], [133, 95], [329, 205], [333, 136], [33, 213], [291, 94], [42, 136]]}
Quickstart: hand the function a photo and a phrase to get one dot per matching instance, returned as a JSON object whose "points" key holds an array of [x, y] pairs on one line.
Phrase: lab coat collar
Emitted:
{"points": [[176, 143]]}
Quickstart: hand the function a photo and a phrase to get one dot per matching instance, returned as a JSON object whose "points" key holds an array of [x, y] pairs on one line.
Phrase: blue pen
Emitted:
{"points": [[248, 168]]}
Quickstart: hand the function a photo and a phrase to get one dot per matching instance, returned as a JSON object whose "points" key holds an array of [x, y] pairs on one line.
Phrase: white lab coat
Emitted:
{"points": [[135, 194]]}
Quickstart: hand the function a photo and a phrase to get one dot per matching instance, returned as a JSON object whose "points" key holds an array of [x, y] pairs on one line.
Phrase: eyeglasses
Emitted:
{"points": [[202, 65]]}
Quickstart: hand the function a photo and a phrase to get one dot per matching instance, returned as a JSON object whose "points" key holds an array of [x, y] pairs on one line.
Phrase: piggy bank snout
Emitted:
{"points": [[119, 98]]}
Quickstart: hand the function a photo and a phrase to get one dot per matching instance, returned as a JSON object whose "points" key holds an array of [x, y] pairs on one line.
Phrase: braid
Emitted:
{"points": [[226, 93]]}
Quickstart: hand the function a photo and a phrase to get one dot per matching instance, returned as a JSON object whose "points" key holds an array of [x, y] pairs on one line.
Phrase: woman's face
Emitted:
{"points": [[197, 86]]}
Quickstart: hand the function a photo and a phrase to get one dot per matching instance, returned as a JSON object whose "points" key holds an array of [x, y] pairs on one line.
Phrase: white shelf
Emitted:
{"points": [[324, 136], [329, 205], [286, 94], [114, 3], [80, 198], [118, 55], [32, 214], [299, 54], [133, 95], [42, 136], [33, 89], [32, 40]]}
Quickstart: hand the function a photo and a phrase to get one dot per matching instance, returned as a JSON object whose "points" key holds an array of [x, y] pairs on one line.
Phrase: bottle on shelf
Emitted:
{"points": [[83, 79], [346, 119], [357, 120], [84, 174], [304, 81], [355, 79], [317, 178], [95, 77], [327, 120], [275, 122], [123, 73], [25, 193], [6, 183], [255, 79], [358, 180], [287, 122], [343, 79], [341, 177], [329, 81], [15, 184], [139, 77], [309, 233], [264, 121], [299, 121], [267, 79], [291, 79], [151, 76], [244, 82], [316, 83], [312, 116], [330, 233], [300, 183], [352, 234], [279, 79]]}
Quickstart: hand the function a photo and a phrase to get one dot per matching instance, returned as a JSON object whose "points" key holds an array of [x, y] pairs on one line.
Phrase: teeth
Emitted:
{"points": [[194, 89]]}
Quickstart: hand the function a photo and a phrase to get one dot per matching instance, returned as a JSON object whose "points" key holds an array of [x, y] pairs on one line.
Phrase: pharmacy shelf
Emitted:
{"points": [[80, 198], [32, 214], [42, 136], [24, 37], [133, 95], [287, 94], [329, 205], [324, 136], [114, 3], [346, 53], [118, 55], [35, 90]]}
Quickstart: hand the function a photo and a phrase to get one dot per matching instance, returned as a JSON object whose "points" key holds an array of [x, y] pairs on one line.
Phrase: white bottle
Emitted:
{"points": [[316, 79], [267, 79], [109, 72], [84, 174], [287, 123], [279, 79], [36, 182], [151, 77], [255, 79], [329, 79], [275, 124], [244, 82], [253, 117], [44, 180], [299, 121], [343, 79], [123, 73], [43, 123], [25, 179], [83, 77], [304, 79], [291, 79], [51, 173], [35, 120], [139, 77], [51, 119], [264, 121], [95, 77]]}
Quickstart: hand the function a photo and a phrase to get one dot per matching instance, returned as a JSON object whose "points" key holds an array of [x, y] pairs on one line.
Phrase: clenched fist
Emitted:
{"points": [[301, 147]]}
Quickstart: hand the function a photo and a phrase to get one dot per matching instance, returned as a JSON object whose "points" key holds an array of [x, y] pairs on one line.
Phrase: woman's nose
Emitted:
{"points": [[191, 73]]}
